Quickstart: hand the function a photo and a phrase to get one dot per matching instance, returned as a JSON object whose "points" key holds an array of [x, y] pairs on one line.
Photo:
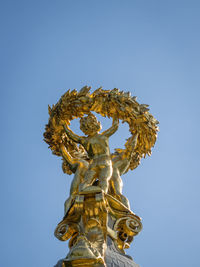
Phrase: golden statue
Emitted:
{"points": [[96, 210]]}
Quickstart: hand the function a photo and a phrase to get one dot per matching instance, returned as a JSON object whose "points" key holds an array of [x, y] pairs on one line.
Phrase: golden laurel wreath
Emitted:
{"points": [[108, 103]]}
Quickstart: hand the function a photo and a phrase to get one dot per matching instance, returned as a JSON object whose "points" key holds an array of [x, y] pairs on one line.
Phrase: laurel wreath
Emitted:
{"points": [[108, 103]]}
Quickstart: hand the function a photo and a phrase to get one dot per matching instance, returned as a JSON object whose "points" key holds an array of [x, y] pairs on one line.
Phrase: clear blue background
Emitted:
{"points": [[150, 48]]}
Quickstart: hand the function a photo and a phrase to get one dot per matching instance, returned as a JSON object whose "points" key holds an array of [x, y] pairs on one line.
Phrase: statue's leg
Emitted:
{"points": [[118, 184], [104, 177], [75, 182], [73, 189], [117, 180], [88, 178]]}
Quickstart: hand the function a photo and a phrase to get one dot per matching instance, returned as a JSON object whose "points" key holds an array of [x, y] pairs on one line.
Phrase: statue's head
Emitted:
{"points": [[90, 125]]}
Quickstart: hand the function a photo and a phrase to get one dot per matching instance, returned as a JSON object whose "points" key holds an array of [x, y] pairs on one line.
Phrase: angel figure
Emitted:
{"points": [[97, 147], [78, 165]]}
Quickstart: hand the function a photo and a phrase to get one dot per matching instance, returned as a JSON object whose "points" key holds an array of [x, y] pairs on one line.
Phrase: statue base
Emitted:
{"points": [[112, 259], [99, 227], [82, 262]]}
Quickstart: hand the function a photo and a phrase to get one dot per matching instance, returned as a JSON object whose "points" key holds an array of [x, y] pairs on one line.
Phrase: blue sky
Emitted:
{"points": [[150, 48]]}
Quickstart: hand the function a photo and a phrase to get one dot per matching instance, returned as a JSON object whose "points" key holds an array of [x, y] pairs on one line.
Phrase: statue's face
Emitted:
{"points": [[89, 125]]}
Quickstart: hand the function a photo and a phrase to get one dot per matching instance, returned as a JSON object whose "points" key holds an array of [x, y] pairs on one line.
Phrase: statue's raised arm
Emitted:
{"points": [[112, 129], [76, 138]]}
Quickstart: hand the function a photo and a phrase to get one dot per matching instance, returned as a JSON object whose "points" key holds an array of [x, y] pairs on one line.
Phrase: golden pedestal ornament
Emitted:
{"points": [[96, 209]]}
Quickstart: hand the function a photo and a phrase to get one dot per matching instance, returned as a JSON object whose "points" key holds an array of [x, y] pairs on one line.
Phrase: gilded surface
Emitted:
{"points": [[96, 197]]}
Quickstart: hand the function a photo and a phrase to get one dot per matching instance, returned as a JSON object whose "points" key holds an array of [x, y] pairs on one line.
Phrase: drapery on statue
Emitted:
{"points": [[96, 209]]}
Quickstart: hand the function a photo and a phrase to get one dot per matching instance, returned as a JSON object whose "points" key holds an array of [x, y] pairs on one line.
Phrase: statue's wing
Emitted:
{"points": [[72, 161], [66, 167], [131, 152], [127, 158], [120, 158], [135, 161]]}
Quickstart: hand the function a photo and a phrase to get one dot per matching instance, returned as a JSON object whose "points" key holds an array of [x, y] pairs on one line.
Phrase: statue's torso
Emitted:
{"points": [[97, 146]]}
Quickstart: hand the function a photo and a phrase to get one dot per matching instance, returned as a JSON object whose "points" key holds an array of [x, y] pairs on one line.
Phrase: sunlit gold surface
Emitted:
{"points": [[96, 190]]}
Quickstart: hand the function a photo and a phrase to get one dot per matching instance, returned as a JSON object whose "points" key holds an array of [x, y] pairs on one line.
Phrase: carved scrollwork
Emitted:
{"points": [[129, 225], [64, 231], [127, 228]]}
